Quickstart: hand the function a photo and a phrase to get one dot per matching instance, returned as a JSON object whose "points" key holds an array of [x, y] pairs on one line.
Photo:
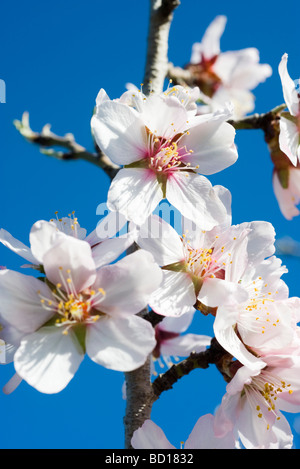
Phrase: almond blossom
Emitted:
{"points": [[289, 121], [265, 323], [198, 266], [254, 400], [151, 436], [44, 234], [78, 309], [226, 76], [164, 150]]}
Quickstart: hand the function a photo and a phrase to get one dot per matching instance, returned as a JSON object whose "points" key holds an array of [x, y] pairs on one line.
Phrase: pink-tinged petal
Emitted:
{"points": [[128, 284], [196, 199], [175, 296], [273, 330], [164, 243], [287, 369], [119, 132], [286, 198], [17, 246], [184, 345], [203, 436], [70, 258], [120, 344], [224, 328], [226, 414], [210, 44], [43, 236], [150, 436], [21, 301], [288, 86], [12, 384], [242, 377], [135, 192], [253, 430], [289, 139], [213, 146], [48, 359], [218, 292]]}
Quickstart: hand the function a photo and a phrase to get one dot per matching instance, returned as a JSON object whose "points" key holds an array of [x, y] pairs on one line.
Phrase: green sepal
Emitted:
{"points": [[80, 333], [283, 176], [289, 117]]}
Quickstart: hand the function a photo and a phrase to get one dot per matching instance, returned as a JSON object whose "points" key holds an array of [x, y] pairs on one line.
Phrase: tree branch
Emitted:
{"points": [[47, 140], [214, 355], [258, 121], [161, 15], [139, 393]]}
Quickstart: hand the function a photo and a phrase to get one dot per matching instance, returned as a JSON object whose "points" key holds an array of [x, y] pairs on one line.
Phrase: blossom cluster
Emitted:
{"points": [[87, 295]]}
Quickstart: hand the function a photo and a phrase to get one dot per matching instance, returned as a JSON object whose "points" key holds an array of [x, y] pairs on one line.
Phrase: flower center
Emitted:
{"points": [[203, 262], [166, 155], [266, 388], [70, 307]]}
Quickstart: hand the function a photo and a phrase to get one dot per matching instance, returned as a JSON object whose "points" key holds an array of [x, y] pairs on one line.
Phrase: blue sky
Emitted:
{"points": [[54, 58]]}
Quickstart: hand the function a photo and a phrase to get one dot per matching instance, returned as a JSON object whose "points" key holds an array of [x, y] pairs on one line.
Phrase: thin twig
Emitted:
{"points": [[215, 354], [47, 141], [258, 121]]}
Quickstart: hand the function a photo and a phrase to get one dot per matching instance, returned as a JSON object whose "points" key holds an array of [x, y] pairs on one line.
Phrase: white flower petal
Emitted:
{"points": [[175, 296], [224, 324], [128, 284], [196, 199], [164, 243], [135, 192], [210, 44], [70, 257], [184, 345], [48, 359], [289, 139], [213, 146], [287, 199], [150, 436], [20, 303], [288, 86], [110, 249], [119, 132], [43, 236], [203, 436], [121, 344], [17, 246], [218, 292]]}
